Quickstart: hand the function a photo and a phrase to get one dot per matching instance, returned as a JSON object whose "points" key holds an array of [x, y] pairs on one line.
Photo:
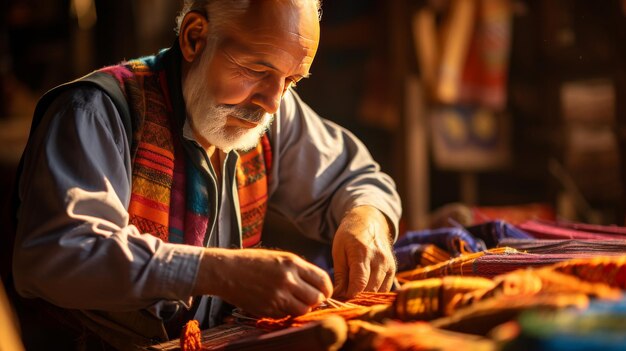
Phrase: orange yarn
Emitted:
{"points": [[608, 270], [461, 265], [346, 313], [363, 300], [274, 323], [432, 255], [191, 338], [373, 298]]}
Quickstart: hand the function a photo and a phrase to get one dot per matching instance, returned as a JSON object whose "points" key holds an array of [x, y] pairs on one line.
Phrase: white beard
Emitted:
{"points": [[208, 119]]}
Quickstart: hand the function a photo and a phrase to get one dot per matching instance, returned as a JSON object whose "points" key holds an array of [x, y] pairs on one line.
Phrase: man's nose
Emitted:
{"points": [[268, 94]]}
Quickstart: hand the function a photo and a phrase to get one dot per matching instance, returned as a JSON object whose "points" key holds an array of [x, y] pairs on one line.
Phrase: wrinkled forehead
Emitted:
{"points": [[290, 24]]}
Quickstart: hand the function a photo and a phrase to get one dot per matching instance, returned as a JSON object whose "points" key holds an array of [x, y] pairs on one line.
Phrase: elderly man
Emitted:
{"points": [[142, 182]]}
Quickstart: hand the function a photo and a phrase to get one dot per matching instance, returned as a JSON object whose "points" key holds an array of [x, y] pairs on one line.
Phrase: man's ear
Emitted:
{"points": [[193, 35]]}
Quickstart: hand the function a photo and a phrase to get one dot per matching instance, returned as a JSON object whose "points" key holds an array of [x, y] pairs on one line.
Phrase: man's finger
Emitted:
{"points": [[307, 294], [388, 281], [358, 277], [376, 278], [341, 285], [295, 307], [317, 278], [340, 274]]}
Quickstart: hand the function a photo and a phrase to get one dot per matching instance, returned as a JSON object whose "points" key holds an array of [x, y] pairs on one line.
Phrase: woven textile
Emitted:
{"points": [[489, 263], [252, 185], [453, 240], [473, 304], [427, 247], [609, 270], [462, 265], [493, 264], [484, 315], [492, 233], [435, 297], [549, 246], [593, 228], [560, 230], [418, 255], [169, 194], [365, 305]]}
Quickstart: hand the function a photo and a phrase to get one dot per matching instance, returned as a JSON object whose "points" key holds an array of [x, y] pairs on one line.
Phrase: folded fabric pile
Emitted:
{"points": [[495, 286], [549, 246], [566, 230], [458, 307]]}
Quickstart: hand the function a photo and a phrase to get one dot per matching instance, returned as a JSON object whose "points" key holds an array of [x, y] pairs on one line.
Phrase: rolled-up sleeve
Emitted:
{"points": [[74, 246], [320, 167]]}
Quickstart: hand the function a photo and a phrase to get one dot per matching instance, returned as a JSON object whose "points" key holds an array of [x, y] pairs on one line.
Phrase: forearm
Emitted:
{"points": [[74, 246], [88, 257], [209, 278], [125, 271]]}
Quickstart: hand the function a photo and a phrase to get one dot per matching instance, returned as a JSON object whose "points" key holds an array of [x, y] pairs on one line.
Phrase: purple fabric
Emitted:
{"points": [[493, 232], [447, 239], [552, 230], [407, 256]]}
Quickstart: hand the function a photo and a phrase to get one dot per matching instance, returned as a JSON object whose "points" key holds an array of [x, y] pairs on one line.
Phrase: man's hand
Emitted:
{"points": [[263, 282], [362, 254]]}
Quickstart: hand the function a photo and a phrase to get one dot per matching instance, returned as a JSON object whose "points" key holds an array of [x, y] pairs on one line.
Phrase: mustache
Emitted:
{"points": [[254, 115]]}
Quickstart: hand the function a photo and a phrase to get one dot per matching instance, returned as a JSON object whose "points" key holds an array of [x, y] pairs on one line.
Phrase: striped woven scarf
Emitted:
{"points": [[169, 196]]}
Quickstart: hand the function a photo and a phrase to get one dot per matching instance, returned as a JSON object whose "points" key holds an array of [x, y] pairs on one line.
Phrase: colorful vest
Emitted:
{"points": [[169, 197]]}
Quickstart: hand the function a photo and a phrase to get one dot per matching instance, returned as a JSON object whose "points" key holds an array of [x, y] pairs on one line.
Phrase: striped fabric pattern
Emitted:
{"points": [[252, 190], [153, 165], [169, 197]]}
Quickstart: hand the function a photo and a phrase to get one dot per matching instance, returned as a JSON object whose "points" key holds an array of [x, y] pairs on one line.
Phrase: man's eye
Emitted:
{"points": [[254, 73]]}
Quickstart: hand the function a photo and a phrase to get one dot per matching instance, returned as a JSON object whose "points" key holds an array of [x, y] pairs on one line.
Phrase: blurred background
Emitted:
{"points": [[480, 108]]}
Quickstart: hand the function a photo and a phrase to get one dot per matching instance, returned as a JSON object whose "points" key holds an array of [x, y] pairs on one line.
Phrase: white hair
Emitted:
{"points": [[221, 11], [208, 119]]}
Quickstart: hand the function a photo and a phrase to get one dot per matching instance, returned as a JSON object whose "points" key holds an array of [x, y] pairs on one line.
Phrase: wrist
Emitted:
{"points": [[372, 215], [209, 281]]}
